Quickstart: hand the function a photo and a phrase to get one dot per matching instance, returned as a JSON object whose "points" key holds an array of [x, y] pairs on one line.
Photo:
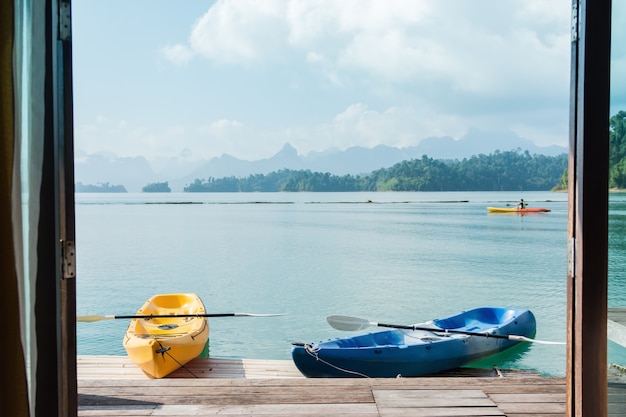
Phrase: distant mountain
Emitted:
{"points": [[358, 160], [227, 165], [135, 173], [476, 142]]}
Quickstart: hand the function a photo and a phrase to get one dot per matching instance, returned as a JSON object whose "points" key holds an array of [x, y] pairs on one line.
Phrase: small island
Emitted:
{"points": [[157, 187], [99, 188]]}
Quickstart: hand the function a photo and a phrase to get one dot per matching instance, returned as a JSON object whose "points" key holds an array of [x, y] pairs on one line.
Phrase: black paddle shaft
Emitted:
{"points": [[164, 316], [430, 329]]}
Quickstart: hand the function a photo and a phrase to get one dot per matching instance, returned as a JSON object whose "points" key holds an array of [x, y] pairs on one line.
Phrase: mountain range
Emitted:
{"points": [[136, 172]]}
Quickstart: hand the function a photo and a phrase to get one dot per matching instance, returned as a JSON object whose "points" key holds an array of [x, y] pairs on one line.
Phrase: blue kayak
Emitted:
{"points": [[453, 342]]}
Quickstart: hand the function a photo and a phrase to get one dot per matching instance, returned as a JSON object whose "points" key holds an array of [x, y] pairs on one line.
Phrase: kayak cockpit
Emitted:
{"points": [[477, 320]]}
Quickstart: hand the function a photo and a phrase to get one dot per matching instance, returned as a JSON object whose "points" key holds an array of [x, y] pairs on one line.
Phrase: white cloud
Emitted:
{"points": [[356, 125], [394, 39], [178, 54], [476, 50], [225, 124], [392, 57], [359, 125], [313, 22], [241, 31], [393, 72]]}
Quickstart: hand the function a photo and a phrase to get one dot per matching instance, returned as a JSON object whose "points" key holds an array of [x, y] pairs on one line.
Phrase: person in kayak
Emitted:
{"points": [[521, 204]]}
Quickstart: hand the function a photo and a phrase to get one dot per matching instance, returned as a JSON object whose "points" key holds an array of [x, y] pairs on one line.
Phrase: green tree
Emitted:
{"points": [[500, 171], [99, 188], [617, 150], [157, 187]]}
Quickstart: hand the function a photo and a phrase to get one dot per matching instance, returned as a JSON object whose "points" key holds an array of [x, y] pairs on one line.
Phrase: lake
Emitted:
{"points": [[396, 258]]}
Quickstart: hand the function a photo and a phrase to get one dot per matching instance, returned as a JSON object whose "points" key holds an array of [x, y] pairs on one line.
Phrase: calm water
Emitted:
{"points": [[403, 258]]}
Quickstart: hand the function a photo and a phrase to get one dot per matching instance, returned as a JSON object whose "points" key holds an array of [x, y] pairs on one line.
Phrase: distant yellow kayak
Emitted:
{"points": [[161, 345], [517, 210]]}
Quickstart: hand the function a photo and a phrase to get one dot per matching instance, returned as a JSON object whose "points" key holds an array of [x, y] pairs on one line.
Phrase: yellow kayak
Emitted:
{"points": [[517, 210], [160, 345]]}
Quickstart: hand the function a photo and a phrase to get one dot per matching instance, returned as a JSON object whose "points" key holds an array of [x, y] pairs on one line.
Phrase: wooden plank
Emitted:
{"points": [[617, 410], [488, 385], [434, 402], [121, 367], [532, 408], [529, 388], [202, 412], [394, 395], [268, 409], [617, 399], [108, 388], [440, 412], [528, 398], [216, 391], [617, 393], [536, 415], [227, 397], [223, 400], [199, 411], [105, 412]]}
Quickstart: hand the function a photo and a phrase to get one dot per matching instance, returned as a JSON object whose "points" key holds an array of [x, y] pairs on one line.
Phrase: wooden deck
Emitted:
{"points": [[113, 386]]}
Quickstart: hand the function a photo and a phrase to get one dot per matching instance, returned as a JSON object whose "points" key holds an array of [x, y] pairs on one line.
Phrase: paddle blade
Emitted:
{"points": [[92, 318], [348, 323], [517, 338]]}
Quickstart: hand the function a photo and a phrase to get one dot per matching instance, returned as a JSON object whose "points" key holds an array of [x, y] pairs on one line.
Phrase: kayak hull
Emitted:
{"points": [[517, 210], [409, 353], [159, 346]]}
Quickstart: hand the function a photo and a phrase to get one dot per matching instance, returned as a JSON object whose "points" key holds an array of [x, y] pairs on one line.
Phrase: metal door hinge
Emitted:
{"points": [[571, 257], [65, 21], [574, 21], [69, 259]]}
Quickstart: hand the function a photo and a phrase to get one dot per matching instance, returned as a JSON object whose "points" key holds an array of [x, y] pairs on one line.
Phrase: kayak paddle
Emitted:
{"points": [[348, 323], [92, 318]]}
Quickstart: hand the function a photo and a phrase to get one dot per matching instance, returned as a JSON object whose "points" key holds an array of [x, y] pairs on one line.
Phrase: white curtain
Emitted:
{"points": [[30, 70], [30, 384]]}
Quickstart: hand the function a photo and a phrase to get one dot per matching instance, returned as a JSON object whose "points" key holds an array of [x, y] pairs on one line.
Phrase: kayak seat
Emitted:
{"points": [[386, 338], [389, 338]]}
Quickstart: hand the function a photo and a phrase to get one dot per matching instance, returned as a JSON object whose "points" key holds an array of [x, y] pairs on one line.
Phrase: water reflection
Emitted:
{"points": [[617, 266], [504, 360]]}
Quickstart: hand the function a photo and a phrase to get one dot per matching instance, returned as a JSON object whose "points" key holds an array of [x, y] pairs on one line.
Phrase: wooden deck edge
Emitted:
{"points": [[121, 367]]}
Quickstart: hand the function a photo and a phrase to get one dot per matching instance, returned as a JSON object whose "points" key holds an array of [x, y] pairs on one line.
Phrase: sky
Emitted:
{"points": [[197, 79]]}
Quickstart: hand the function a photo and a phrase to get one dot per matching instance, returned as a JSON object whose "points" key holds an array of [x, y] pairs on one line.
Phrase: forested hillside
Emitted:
{"points": [[617, 154], [617, 149], [500, 171]]}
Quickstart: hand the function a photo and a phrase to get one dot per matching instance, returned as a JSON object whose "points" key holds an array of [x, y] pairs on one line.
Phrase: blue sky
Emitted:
{"points": [[196, 79]]}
